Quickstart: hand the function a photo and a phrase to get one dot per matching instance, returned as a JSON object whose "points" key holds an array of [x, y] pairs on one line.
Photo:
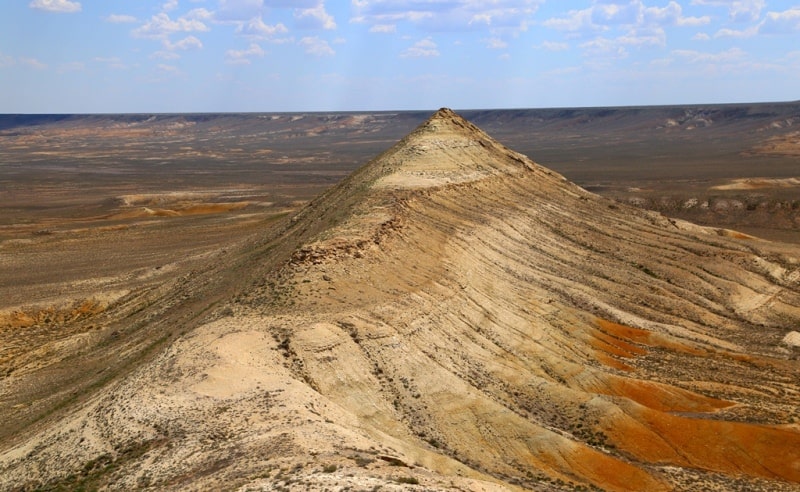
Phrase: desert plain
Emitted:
{"points": [[399, 300]]}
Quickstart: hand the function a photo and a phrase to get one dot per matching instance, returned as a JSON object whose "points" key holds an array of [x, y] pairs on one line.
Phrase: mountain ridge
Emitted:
{"points": [[462, 319]]}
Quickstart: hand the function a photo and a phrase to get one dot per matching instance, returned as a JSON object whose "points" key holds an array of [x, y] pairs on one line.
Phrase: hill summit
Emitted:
{"points": [[454, 316], [446, 149]]}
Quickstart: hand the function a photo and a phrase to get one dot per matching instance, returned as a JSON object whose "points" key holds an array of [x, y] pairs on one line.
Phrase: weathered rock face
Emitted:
{"points": [[457, 316]]}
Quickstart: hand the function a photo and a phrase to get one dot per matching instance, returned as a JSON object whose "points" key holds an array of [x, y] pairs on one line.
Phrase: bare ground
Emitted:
{"points": [[452, 316]]}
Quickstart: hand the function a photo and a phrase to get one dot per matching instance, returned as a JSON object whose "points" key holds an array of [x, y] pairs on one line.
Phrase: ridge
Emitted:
{"points": [[454, 315], [446, 149]]}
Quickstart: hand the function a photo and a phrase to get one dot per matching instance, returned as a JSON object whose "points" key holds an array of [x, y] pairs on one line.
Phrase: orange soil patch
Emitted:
{"points": [[726, 447], [648, 338], [213, 208], [614, 339], [603, 470], [614, 345], [51, 315], [659, 396], [649, 432], [609, 361]]}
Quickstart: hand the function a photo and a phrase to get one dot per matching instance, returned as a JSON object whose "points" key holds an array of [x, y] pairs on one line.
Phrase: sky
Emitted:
{"points": [[141, 56]]}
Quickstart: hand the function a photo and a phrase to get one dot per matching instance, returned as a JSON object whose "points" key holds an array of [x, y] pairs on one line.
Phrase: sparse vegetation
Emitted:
{"points": [[475, 286], [407, 480]]}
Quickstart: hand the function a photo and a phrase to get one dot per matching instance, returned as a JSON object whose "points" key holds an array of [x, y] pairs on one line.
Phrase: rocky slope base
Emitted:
{"points": [[452, 316]]}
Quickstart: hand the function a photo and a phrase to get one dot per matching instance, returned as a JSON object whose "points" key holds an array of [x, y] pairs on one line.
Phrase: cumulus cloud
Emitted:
{"points": [[243, 10], [161, 25], [615, 14], [448, 15], [169, 5], [120, 19], [384, 28], [672, 14], [257, 28], [785, 22], [733, 33], [421, 49], [316, 46], [612, 28], [603, 16], [738, 10], [315, 18], [59, 6], [242, 57], [187, 43], [727, 56], [575, 20]]}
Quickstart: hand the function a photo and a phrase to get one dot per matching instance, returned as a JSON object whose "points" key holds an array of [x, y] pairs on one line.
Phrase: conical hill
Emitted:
{"points": [[454, 316]]}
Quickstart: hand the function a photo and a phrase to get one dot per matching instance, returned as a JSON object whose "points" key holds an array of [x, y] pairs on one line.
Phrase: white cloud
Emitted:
{"points": [[187, 43], [169, 5], [496, 44], [383, 28], [421, 49], [672, 14], [60, 6], [701, 36], [242, 57], [120, 19], [738, 10], [168, 68], [112, 62], [257, 28], [448, 15], [575, 20], [784, 22], [32, 62], [747, 10], [603, 47], [315, 18], [242, 10], [160, 25], [727, 56], [648, 36], [316, 46], [613, 13], [733, 33], [611, 28], [605, 16], [165, 55], [553, 46]]}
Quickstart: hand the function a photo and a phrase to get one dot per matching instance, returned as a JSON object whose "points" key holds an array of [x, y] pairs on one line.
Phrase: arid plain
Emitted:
{"points": [[298, 301]]}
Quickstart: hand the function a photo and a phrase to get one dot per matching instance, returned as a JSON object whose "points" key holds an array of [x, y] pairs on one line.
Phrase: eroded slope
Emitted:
{"points": [[455, 315]]}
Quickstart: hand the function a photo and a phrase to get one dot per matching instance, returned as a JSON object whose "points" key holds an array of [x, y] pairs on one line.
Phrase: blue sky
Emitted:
{"points": [[85, 56]]}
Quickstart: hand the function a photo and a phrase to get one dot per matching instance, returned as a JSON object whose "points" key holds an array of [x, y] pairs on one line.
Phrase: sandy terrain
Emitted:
{"points": [[451, 316]]}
